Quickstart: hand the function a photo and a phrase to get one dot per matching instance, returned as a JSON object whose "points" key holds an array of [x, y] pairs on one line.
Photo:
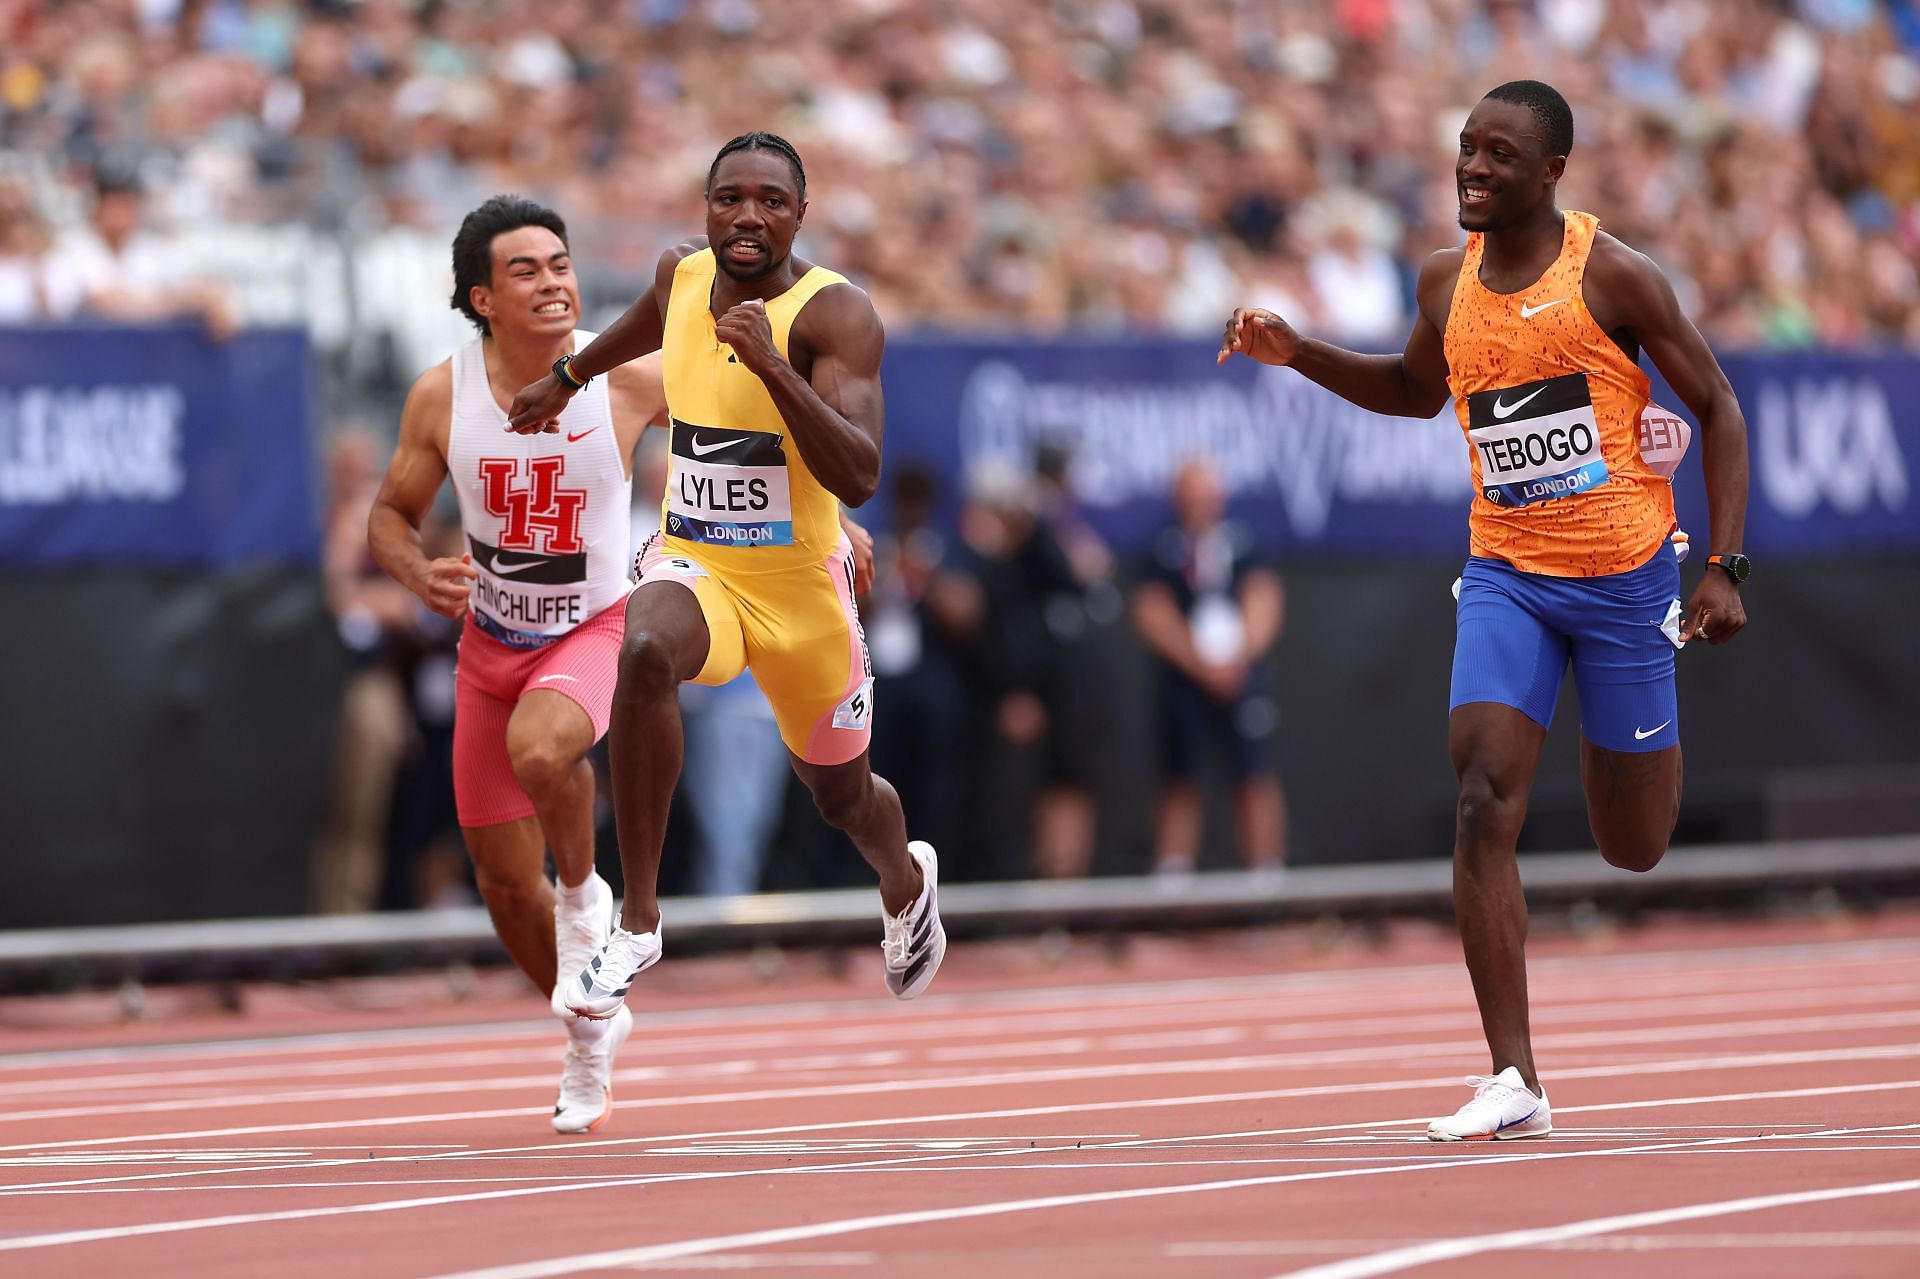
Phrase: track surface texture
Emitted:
{"points": [[1730, 1098]]}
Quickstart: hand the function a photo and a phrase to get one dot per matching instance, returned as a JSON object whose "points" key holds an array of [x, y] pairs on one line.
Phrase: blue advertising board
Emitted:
{"points": [[155, 448], [1834, 439]]}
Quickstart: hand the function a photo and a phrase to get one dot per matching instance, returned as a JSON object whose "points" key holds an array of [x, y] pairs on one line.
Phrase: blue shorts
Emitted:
{"points": [[1515, 633]]}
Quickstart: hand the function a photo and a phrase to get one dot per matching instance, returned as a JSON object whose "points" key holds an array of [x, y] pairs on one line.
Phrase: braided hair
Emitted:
{"points": [[762, 141]]}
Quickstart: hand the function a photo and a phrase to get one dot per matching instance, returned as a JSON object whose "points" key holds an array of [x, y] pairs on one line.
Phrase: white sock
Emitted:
{"points": [[578, 898]]}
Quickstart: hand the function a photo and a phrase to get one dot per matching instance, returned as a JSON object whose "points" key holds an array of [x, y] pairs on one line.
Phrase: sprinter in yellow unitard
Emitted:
{"points": [[772, 369]]}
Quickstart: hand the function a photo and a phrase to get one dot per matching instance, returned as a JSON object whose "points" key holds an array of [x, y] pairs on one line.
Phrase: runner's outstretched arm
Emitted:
{"points": [[1411, 384]]}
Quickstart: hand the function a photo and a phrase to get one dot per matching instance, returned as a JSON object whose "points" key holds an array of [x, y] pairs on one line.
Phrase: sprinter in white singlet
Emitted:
{"points": [[542, 587]]}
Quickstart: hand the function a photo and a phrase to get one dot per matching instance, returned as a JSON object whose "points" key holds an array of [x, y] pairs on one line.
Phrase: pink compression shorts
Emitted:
{"points": [[489, 681]]}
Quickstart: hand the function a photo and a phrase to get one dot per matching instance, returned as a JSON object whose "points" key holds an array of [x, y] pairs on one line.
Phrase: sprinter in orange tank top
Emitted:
{"points": [[1535, 329]]}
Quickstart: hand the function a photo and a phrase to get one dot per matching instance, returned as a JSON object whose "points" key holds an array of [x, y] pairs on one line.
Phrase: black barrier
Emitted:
{"points": [[167, 757], [166, 746]]}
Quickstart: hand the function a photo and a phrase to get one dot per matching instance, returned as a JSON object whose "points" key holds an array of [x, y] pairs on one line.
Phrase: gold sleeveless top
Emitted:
{"points": [[739, 495]]}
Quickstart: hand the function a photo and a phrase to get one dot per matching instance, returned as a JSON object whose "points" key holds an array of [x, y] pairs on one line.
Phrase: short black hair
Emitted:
{"points": [[473, 246], [760, 141], [1548, 107]]}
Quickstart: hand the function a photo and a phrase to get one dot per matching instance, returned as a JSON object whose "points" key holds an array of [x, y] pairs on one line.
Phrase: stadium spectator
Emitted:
{"points": [[376, 618], [1080, 725], [115, 268], [1016, 673], [921, 615], [1077, 165], [1211, 613], [24, 296]]}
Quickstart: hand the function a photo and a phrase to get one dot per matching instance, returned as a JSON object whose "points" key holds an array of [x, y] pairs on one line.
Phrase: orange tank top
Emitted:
{"points": [[1551, 407]]}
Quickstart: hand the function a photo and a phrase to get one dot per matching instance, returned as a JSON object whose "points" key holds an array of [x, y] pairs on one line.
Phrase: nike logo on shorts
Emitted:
{"points": [[1641, 735]]}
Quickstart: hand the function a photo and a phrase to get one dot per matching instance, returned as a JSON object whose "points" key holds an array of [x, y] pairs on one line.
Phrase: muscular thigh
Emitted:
{"points": [[544, 716], [668, 584], [1633, 797], [1506, 652], [568, 693], [809, 656]]}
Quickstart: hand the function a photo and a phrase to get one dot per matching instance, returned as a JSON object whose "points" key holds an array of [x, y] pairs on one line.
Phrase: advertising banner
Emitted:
{"points": [[137, 448], [1834, 441]]}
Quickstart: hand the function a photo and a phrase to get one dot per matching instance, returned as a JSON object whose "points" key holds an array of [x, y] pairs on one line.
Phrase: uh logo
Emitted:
{"points": [[536, 506]]}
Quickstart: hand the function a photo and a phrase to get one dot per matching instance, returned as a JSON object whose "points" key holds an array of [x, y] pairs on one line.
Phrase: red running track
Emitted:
{"points": [[1729, 1100]]}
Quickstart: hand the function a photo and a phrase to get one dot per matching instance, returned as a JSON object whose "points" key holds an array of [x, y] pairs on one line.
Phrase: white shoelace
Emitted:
{"points": [[622, 954], [1494, 1091], [898, 934]]}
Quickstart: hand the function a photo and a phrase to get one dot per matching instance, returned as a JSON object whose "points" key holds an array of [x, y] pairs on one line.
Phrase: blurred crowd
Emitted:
{"points": [[1007, 164]]}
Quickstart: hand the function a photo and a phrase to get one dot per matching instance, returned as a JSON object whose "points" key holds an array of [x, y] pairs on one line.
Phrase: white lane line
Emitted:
{"points": [[1430, 1051], [1378, 1017], [1679, 967], [1777, 1094], [1798, 1239], [977, 1161], [1412, 1126], [1877, 1052], [1386, 1263], [1611, 1243], [651, 1254], [99, 1234], [1676, 1000]]}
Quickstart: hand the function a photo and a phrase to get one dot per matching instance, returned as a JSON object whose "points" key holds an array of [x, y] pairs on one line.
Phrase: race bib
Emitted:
{"points": [[1537, 441], [729, 487]]}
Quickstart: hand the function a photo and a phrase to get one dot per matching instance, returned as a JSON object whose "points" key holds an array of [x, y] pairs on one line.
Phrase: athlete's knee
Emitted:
{"points": [[647, 666], [505, 889], [1635, 854], [539, 762], [1487, 818]]}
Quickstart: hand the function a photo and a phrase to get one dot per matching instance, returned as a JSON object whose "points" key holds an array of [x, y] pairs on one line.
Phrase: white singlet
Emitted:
{"points": [[546, 516]]}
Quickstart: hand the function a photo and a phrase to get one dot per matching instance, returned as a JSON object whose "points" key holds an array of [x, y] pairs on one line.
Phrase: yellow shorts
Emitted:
{"points": [[799, 631]]}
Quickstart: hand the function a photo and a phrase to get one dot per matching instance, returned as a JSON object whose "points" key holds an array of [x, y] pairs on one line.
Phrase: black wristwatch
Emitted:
{"points": [[563, 369], [1733, 563]]}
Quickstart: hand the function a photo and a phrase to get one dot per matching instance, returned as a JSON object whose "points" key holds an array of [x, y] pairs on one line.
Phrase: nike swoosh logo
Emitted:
{"points": [[1639, 736], [509, 570], [1501, 410], [1528, 312], [575, 439], [701, 450], [544, 678]]}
